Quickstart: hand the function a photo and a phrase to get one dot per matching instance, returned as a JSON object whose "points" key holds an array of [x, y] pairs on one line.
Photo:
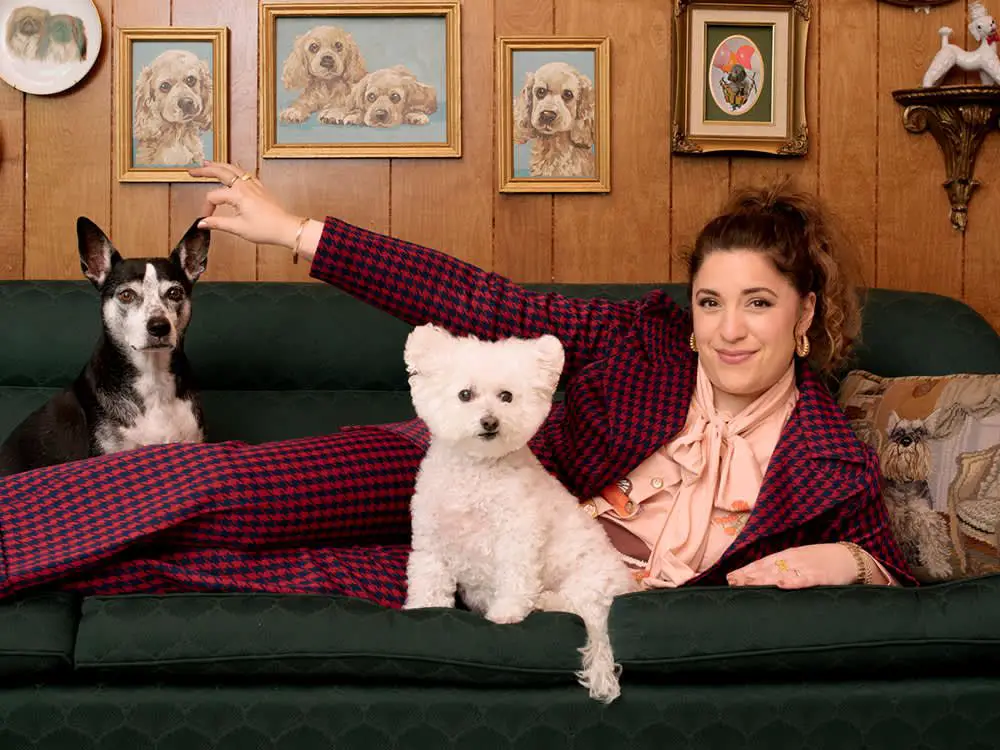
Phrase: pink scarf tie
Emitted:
{"points": [[715, 469]]}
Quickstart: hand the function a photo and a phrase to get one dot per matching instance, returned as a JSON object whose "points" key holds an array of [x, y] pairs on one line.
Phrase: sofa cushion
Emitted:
{"points": [[938, 441], [826, 632], [37, 634], [301, 637]]}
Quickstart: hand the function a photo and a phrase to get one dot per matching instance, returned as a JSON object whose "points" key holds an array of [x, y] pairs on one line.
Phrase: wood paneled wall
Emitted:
{"points": [[57, 156]]}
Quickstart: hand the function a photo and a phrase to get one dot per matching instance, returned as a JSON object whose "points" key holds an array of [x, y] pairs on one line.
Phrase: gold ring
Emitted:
{"points": [[232, 181], [246, 176]]}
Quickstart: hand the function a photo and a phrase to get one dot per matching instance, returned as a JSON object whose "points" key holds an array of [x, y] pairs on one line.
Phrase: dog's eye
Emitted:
{"points": [[540, 92], [506, 396], [567, 95], [371, 96], [465, 395], [338, 46], [175, 294], [165, 86], [190, 80], [394, 98], [314, 46], [126, 296]]}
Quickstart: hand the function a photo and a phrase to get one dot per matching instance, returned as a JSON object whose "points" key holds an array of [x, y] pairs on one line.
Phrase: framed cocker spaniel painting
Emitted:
{"points": [[553, 105], [360, 79], [171, 102], [739, 76]]}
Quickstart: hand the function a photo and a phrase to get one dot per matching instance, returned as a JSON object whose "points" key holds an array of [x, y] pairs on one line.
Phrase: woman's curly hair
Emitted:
{"points": [[795, 231]]}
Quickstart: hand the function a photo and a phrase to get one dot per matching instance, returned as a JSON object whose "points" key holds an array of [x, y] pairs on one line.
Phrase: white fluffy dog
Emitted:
{"points": [[488, 520], [984, 58]]}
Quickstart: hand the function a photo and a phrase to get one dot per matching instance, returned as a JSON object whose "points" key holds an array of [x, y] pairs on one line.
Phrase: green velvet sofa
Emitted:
{"points": [[840, 667]]}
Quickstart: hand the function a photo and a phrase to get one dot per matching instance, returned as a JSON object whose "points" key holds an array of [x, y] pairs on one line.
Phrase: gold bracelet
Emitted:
{"points": [[861, 561], [298, 236]]}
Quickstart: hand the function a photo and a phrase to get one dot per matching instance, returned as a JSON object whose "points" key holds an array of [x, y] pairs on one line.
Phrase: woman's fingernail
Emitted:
{"points": [[202, 224]]}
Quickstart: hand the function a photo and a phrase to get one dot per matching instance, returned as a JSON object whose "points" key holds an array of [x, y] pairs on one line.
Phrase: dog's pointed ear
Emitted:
{"points": [[191, 253], [97, 254], [551, 358], [423, 347], [892, 422]]}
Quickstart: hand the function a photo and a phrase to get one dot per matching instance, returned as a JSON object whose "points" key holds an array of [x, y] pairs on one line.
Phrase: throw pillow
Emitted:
{"points": [[938, 441]]}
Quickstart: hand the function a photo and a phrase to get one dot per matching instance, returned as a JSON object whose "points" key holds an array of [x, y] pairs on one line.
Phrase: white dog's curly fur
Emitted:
{"points": [[324, 63], [389, 97], [555, 111], [983, 59], [173, 107], [488, 521]]}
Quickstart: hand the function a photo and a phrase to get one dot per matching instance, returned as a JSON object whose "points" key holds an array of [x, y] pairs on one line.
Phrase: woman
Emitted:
{"points": [[711, 454]]}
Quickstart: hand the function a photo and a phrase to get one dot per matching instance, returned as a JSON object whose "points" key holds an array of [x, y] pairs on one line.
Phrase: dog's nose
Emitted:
{"points": [[547, 116], [381, 114], [489, 424], [187, 106], [326, 61], [158, 327]]}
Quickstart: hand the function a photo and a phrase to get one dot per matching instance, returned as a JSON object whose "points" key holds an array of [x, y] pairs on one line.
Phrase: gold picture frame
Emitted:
{"points": [[361, 79], [740, 76], [572, 153], [171, 101]]}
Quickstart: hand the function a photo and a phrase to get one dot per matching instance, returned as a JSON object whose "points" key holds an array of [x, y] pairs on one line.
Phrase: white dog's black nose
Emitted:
{"points": [[547, 116], [158, 327], [489, 424]]}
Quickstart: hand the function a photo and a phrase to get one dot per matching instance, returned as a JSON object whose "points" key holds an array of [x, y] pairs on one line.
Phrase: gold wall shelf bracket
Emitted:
{"points": [[959, 118]]}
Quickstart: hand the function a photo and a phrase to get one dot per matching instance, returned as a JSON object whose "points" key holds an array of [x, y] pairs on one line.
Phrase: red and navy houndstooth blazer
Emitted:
{"points": [[629, 379]]}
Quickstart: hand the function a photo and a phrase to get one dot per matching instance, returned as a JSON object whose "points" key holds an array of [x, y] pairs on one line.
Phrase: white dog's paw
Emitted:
{"points": [[293, 115], [508, 611], [354, 118], [332, 116], [430, 600], [417, 118]]}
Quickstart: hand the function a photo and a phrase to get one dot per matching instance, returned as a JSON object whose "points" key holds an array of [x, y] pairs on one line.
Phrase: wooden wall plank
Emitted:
{"points": [[140, 212], [522, 224], [67, 158], [355, 190], [848, 140], [764, 171], [447, 203], [917, 247], [623, 235], [230, 259], [700, 185], [11, 182]]}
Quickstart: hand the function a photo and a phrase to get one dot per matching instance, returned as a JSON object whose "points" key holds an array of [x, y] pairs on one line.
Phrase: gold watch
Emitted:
{"points": [[861, 560]]}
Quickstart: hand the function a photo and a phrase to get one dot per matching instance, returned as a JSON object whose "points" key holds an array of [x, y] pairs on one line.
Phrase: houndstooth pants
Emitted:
{"points": [[313, 515]]}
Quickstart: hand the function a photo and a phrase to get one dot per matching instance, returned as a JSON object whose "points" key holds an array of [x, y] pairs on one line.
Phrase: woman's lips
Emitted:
{"points": [[733, 357]]}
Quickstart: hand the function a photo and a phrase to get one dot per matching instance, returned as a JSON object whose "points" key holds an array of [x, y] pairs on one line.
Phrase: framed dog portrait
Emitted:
{"points": [[361, 79], [171, 102], [553, 106], [739, 76]]}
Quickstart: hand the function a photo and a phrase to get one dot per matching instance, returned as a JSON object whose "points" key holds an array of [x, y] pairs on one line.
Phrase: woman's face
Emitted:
{"points": [[747, 319]]}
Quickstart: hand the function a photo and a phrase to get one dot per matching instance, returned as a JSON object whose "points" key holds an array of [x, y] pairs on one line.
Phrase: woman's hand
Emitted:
{"points": [[257, 216], [800, 567]]}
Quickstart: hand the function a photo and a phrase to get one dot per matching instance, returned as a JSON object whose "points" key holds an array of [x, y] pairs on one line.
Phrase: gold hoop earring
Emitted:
{"points": [[692, 343], [803, 346]]}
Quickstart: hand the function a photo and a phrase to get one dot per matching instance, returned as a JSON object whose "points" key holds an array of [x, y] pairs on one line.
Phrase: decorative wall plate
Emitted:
{"points": [[48, 46]]}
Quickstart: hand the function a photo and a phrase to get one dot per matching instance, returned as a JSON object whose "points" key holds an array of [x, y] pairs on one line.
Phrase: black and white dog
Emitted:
{"points": [[137, 388]]}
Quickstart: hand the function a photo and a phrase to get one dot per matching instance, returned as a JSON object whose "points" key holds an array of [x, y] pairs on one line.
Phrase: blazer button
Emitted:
{"points": [[630, 507], [656, 483]]}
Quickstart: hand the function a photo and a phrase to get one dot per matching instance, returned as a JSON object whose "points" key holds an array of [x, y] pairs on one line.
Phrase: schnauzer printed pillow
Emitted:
{"points": [[938, 441]]}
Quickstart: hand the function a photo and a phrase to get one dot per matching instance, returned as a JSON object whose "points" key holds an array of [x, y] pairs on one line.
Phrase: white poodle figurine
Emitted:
{"points": [[488, 520], [984, 58]]}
